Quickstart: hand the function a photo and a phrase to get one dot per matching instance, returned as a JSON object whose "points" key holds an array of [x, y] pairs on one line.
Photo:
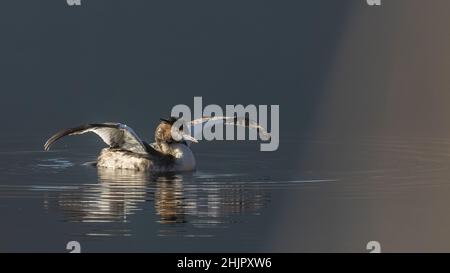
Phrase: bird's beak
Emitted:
{"points": [[188, 137]]}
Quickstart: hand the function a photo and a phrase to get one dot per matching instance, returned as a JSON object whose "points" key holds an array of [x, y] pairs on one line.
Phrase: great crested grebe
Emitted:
{"points": [[127, 151]]}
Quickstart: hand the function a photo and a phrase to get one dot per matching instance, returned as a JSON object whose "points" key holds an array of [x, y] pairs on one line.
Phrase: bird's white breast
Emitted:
{"points": [[185, 158]]}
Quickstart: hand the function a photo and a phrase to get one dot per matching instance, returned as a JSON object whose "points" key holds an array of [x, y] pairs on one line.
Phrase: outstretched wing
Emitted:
{"points": [[116, 135], [196, 125]]}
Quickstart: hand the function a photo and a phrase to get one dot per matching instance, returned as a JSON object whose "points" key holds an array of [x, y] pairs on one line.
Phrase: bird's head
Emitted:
{"points": [[172, 130]]}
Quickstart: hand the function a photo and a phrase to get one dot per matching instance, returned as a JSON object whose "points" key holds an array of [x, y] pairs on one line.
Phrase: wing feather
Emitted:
{"points": [[196, 125], [116, 135]]}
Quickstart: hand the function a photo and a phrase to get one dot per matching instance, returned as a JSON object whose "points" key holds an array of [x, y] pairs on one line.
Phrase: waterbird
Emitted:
{"points": [[170, 152]]}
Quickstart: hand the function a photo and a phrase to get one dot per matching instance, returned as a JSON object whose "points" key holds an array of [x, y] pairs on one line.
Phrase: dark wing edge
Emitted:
{"points": [[67, 132]]}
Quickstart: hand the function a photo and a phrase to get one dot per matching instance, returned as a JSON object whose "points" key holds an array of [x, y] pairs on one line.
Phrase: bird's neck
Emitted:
{"points": [[174, 149], [163, 147]]}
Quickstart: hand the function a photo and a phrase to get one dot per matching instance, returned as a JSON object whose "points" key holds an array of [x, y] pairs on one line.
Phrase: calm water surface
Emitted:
{"points": [[314, 194]]}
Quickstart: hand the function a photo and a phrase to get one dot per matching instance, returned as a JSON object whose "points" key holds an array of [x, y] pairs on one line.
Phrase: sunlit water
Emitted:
{"points": [[315, 194]]}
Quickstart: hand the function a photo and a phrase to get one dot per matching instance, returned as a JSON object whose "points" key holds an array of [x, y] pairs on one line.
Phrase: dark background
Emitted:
{"points": [[132, 61], [344, 63]]}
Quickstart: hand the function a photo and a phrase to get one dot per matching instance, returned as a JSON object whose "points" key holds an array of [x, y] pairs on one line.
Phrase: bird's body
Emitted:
{"points": [[180, 159], [170, 152]]}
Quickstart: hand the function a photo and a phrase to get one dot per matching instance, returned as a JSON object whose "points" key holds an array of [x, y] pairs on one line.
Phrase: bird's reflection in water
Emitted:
{"points": [[169, 200], [180, 201], [117, 194]]}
